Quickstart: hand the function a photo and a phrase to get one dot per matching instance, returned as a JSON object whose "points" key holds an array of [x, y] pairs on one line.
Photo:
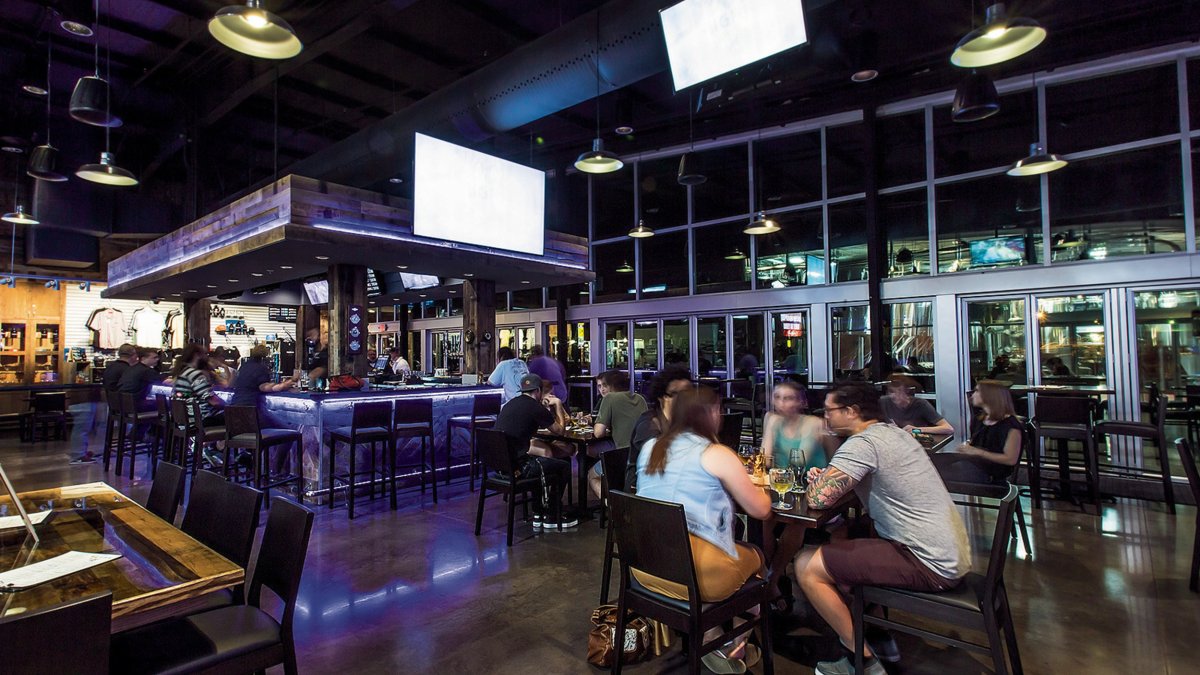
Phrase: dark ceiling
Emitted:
{"points": [[200, 120]]}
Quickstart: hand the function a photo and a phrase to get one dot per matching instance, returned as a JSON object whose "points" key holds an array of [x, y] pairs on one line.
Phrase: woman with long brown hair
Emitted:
{"points": [[995, 445], [687, 465]]}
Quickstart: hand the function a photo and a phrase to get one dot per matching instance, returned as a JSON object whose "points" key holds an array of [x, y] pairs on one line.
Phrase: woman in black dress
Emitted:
{"points": [[996, 440]]}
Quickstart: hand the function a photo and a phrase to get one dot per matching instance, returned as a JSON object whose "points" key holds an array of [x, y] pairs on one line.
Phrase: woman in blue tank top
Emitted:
{"points": [[792, 438], [688, 466]]}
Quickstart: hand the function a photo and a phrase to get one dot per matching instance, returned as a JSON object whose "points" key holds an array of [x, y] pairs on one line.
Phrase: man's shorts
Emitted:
{"points": [[880, 562]]}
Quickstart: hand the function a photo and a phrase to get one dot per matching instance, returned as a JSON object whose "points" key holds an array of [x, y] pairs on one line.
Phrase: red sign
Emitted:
{"points": [[793, 325]]}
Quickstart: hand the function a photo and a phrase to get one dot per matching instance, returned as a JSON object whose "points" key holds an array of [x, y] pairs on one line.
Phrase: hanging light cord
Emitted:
{"points": [[108, 76], [49, 88], [596, 47]]}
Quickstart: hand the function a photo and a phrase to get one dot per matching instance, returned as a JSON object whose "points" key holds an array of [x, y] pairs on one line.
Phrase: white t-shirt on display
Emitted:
{"points": [[148, 327]]}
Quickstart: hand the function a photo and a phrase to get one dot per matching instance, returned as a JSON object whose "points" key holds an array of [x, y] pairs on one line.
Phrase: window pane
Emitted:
{"points": [[456, 306], [576, 294], [1168, 343], [911, 341], [788, 170], [844, 154], [616, 346], [1072, 331], [902, 149], [996, 340], [613, 203], [961, 147], [1109, 110], [613, 265], [676, 342], [1193, 79], [645, 345], [795, 255], [527, 298], [727, 191], [748, 344], [710, 347], [789, 333], [995, 221], [850, 333], [1130, 203], [567, 203], [665, 272], [663, 199], [848, 241], [502, 302], [722, 258], [905, 220]]}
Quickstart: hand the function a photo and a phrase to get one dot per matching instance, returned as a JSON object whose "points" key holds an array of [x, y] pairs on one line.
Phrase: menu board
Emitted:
{"points": [[277, 313]]}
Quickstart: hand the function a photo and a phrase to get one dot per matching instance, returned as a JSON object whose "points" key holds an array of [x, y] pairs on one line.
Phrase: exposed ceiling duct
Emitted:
{"points": [[545, 76]]}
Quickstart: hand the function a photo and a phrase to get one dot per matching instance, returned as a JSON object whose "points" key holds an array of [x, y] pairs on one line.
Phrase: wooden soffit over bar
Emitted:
{"points": [[296, 219]]}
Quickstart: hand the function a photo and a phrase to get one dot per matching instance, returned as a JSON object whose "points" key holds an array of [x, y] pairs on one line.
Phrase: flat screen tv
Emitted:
{"points": [[706, 38], [375, 283], [466, 196], [997, 251], [413, 282], [317, 291]]}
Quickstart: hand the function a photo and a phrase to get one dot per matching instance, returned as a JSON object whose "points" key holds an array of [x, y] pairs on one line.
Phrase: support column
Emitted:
{"points": [[308, 317], [560, 320], [401, 313], [197, 321], [347, 286], [880, 323], [479, 317]]}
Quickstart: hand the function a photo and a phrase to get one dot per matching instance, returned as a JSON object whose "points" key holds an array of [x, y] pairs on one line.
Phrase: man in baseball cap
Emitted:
{"points": [[519, 420]]}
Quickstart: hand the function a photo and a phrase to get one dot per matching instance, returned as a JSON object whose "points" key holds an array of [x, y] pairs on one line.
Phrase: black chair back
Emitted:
{"points": [[281, 557], [129, 404], [166, 491], [1189, 466], [485, 404], [1054, 409], [614, 463], [160, 404], [1004, 530], [71, 636], [372, 414], [414, 411], [1192, 395], [223, 516], [241, 419], [495, 452], [198, 419], [652, 536], [48, 402], [731, 429], [179, 413]]}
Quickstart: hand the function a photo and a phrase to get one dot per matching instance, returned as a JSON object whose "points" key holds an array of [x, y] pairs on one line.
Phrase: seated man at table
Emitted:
{"points": [[922, 542], [140, 376], [620, 410], [519, 420], [902, 408]]}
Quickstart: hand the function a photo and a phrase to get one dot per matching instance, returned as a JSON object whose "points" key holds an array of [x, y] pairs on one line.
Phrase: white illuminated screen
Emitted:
{"points": [[466, 196], [706, 38]]}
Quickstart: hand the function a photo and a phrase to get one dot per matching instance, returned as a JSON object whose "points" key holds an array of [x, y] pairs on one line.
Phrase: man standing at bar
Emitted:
{"points": [[519, 420], [508, 374]]}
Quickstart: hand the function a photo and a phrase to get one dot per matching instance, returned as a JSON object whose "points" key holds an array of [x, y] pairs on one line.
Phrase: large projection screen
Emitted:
{"points": [[706, 38], [469, 197]]}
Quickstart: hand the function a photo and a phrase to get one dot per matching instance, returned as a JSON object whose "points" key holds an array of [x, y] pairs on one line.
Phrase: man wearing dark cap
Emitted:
{"points": [[519, 420]]}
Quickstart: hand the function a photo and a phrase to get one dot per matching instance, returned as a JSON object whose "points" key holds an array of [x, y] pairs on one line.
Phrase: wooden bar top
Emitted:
{"points": [[162, 571]]}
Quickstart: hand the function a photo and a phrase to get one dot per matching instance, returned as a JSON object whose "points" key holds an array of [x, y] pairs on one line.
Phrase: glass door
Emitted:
{"points": [[996, 340], [645, 354], [789, 345], [1168, 338], [850, 337], [1072, 340], [616, 345], [677, 342], [711, 345]]}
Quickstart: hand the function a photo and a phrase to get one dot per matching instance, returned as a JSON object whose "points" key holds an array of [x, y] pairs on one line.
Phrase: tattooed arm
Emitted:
{"points": [[830, 486]]}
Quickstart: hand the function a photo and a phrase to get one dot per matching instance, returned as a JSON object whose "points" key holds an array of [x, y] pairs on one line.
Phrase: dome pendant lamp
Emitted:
{"points": [[761, 225], [18, 215], [976, 99], [999, 39], [43, 161], [641, 231], [1038, 162], [106, 172], [252, 30], [89, 101], [598, 160]]}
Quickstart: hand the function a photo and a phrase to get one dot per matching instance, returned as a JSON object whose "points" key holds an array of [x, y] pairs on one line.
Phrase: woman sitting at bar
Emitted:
{"points": [[688, 466], [792, 438], [193, 383], [995, 445]]}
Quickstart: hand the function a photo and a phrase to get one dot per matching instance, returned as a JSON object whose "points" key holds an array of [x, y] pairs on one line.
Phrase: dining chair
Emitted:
{"points": [[72, 636], [730, 433], [189, 433], [166, 491], [500, 477], [1062, 419], [485, 408], [1154, 430], [238, 638], [652, 537], [243, 430], [1193, 476], [223, 516], [132, 418], [614, 463], [999, 491]]}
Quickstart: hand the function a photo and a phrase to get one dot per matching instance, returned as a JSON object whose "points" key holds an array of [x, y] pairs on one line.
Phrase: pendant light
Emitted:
{"points": [[999, 39], [641, 231], [1038, 162], [735, 254], [89, 101], [106, 172], [761, 224], [18, 216], [252, 30], [43, 161], [625, 267], [687, 174], [598, 160], [976, 98]]}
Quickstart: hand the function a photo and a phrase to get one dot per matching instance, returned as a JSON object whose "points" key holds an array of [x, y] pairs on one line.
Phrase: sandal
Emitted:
{"points": [[717, 663]]}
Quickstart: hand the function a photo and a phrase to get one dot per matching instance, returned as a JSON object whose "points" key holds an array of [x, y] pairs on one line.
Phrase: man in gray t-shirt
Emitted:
{"points": [[902, 408], [922, 542]]}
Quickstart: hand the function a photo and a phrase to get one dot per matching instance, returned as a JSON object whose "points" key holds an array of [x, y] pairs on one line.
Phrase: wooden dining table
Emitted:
{"points": [[796, 520], [583, 440], [162, 572]]}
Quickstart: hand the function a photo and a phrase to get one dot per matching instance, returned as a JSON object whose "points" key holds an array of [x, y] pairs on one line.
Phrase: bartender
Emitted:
{"points": [[398, 365], [318, 362]]}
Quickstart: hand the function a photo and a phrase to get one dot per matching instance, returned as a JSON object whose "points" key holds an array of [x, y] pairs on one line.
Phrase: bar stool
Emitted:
{"points": [[162, 426], [113, 402], [190, 432], [369, 423], [413, 418], [1154, 430], [131, 419], [242, 430], [749, 397], [1063, 419], [45, 408], [484, 410]]}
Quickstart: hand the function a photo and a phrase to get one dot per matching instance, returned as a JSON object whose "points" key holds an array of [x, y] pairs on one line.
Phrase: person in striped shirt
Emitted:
{"points": [[193, 383]]}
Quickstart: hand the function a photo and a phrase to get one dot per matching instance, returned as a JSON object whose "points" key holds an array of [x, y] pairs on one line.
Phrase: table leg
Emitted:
{"points": [[581, 496]]}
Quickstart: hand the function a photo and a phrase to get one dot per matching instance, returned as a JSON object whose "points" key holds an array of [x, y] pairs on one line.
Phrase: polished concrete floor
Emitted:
{"points": [[415, 591]]}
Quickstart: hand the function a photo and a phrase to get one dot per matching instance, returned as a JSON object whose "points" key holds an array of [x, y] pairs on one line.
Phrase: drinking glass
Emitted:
{"points": [[746, 454], [782, 481]]}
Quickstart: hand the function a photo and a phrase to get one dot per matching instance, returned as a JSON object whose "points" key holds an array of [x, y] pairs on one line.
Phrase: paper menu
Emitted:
{"points": [[57, 567], [11, 522]]}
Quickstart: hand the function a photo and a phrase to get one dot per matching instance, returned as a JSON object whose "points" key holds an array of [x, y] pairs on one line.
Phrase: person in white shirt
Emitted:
{"points": [[508, 374], [397, 364]]}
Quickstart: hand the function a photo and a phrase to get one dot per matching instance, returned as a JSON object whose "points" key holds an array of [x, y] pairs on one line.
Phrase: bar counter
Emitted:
{"points": [[315, 413]]}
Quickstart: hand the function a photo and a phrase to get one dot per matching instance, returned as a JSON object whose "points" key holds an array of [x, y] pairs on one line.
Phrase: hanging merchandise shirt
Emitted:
{"points": [[148, 327], [109, 325], [174, 329]]}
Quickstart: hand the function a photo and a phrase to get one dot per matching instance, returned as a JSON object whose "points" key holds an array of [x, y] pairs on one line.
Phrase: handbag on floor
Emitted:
{"points": [[635, 647]]}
